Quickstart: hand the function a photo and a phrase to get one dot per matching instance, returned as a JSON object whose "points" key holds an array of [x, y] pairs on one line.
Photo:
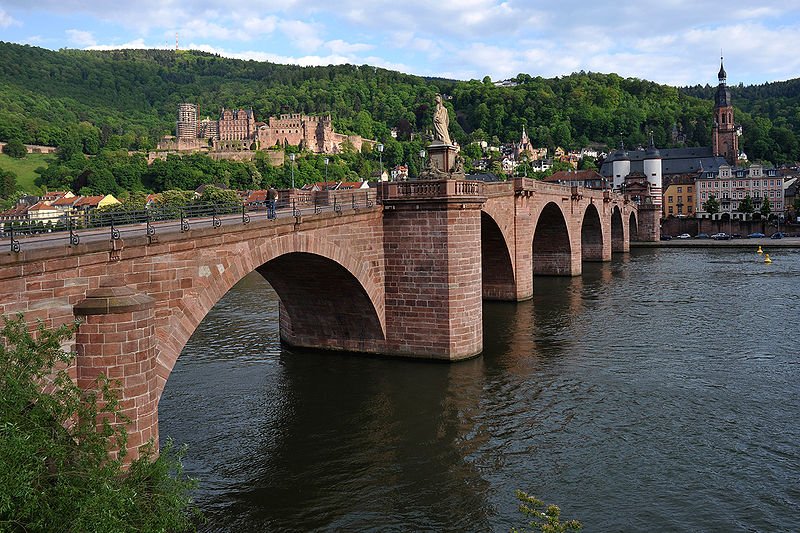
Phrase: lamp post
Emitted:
{"points": [[380, 159], [421, 162], [291, 158], [326, 170]]}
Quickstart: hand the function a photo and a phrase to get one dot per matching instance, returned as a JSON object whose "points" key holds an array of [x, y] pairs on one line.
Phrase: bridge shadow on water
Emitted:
{"points": [[286, 439]]}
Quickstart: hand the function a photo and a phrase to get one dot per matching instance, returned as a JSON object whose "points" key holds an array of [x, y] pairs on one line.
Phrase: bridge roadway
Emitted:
{"points": [[405, 277]]}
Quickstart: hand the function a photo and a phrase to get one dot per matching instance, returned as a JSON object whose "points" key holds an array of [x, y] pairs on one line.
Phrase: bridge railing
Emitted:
{"points": [[94, 225], [412, 190]]}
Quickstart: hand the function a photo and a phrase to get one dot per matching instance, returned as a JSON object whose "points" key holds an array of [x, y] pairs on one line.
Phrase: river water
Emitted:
{"points": [[658, 392]]}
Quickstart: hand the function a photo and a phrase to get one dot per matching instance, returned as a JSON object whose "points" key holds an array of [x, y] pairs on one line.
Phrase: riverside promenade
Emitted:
{"points": [[764, 242]]}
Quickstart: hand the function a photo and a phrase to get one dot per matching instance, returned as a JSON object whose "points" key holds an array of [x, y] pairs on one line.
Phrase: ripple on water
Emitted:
{"points": [[662, 385]]}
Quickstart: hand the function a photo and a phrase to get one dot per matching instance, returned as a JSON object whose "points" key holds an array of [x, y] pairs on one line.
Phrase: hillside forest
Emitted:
{"points": [[101, 107]]}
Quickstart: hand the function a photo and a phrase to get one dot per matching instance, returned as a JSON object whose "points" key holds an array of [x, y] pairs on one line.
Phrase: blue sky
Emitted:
{"points": [[671, 41]]}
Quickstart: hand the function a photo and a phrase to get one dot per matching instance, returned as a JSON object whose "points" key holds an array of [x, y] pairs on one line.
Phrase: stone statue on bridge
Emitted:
{"points": [[443, 162], [441, 122]]}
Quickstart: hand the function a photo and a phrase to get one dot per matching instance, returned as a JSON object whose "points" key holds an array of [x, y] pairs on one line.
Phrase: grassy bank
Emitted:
{"points": [[24, 169]]}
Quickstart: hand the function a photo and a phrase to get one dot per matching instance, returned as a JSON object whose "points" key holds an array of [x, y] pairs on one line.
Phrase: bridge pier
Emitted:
{"points": [[432, 236], [116, 338]]}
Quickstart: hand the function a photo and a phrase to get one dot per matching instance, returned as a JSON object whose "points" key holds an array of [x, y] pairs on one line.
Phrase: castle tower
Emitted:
{"points": [[724, 137], [186, 125]]}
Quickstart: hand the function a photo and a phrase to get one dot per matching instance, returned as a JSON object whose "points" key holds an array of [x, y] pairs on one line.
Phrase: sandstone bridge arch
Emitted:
{"points": [[552, 246], [499, 278], [348, 306]]}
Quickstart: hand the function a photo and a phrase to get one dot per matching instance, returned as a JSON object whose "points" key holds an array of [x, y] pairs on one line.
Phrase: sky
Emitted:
{"points": [[676, 42]]}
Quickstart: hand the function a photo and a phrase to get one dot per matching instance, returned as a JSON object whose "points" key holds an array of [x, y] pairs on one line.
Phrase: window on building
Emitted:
{"points": [[680, 189], [690, 209], [669, 199], [670, 210], [688, 189], [689, 199], [680, 209]]}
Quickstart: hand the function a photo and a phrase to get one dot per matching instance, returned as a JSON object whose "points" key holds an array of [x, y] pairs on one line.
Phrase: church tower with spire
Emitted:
{"points": [[724, 136]]}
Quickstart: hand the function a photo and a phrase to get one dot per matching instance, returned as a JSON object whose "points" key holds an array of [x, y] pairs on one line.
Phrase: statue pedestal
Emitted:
{"points": [[443, 162]]}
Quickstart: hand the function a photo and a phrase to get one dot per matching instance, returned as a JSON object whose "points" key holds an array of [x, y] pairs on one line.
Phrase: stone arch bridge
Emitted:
{"points": [[403, 278]]}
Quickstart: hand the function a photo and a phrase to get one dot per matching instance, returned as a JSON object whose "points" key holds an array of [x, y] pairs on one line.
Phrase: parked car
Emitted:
{"points": [[777, 235], [735, 236], [666, 238], [756, 235], [684, 236], [721, 236], [701, 236]]}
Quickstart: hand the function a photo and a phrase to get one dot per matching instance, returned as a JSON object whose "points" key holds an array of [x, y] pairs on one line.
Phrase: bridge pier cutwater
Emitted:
{"points": [[404, 277]]}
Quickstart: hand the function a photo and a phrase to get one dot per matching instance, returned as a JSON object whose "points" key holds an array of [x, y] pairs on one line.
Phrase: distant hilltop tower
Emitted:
{"points": [[186, 126], [724, 137]]}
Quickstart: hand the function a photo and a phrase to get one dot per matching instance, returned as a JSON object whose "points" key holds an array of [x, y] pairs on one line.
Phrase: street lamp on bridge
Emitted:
{"points": [[380, 159], [291, 158]]}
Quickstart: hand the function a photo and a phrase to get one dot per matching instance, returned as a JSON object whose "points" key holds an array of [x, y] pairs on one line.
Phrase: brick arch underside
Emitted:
{"points": [[617, 231], [591, 235], [633, 227], [322, 304], [552, 253], [349, 272], [497, 269]]}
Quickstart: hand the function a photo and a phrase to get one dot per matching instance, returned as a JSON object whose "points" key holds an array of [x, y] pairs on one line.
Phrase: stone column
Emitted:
{"points": [[649, 221], [117, 338], [432, 235]]}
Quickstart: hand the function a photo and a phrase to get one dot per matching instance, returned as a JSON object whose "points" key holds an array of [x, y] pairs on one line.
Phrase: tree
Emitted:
{"points": [[746, 205], [711, 206], [547, 521], [587, 163], [8, 183], [216, 196], [57, 473], [765, 208], [15, 148]]}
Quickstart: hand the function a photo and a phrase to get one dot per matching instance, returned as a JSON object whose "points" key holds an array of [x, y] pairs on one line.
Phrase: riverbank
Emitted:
{"points": [[766, 242]]}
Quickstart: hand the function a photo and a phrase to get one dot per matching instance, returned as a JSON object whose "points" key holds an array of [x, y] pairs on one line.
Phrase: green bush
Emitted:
{"points": [[547, 521], [15, 148], [55, 470]]}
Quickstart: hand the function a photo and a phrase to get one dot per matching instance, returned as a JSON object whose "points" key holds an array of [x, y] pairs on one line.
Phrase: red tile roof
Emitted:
{"points": [[351, 185], [256, 196], [65, 202], [88, 201], [39, 206]]}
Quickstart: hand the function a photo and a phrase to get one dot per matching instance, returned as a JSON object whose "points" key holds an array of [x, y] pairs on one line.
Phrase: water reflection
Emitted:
{"points": [[657, 392]]}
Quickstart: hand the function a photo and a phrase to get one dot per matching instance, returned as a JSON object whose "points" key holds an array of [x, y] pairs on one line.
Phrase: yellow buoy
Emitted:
{"points": [[759, 251], [767, 259]]}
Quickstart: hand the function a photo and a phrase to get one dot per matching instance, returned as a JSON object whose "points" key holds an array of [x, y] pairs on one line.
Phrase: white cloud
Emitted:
{"points": [[81, 38], [137, 44], [458, 38], [303, 35], [7, 20], [338, 46]]}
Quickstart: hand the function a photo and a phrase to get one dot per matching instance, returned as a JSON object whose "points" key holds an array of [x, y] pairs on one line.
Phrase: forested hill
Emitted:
{"points": [[128, 98]]}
